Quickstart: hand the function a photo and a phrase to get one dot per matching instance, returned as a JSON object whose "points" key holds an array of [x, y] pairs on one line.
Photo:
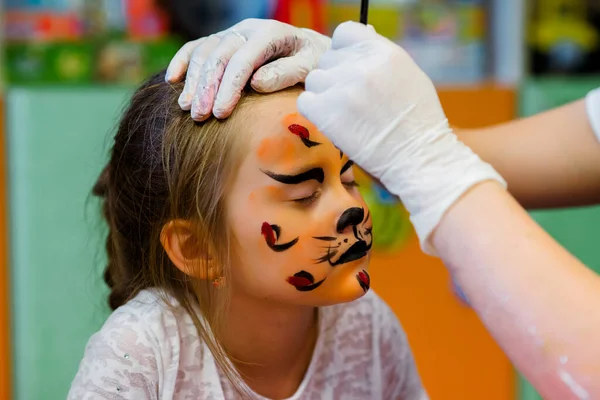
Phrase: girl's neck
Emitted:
{"points": [[271, 345]]}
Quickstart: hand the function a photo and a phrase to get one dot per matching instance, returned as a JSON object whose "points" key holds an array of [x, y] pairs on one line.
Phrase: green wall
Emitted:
{"points": [[576, 229], [57, 143]]}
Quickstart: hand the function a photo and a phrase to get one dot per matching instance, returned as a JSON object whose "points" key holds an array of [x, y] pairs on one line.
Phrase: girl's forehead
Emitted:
{"points": [[280, 137], [292, 138]]}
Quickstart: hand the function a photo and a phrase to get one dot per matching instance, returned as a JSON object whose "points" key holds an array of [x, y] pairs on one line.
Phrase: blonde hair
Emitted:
{"points": [[164, 166]]}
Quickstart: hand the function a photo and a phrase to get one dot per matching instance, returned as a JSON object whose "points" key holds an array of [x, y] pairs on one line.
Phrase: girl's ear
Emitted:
{"points": [[181, 241]]}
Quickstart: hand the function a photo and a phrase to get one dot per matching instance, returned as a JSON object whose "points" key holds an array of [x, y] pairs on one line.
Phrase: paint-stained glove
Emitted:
{"points": [[219, 66], [370, 98]]}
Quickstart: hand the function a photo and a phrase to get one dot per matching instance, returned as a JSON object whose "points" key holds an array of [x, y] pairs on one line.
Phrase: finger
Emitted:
{"points": [[319, 81], [195, 67], [333, 58], [181, 59], [313, 107], [212, 73], [242, 65], [284, 72], [349, 33]]}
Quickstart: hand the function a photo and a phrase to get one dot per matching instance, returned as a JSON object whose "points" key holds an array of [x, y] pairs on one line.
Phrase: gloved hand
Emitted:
{"points": [[219, 66], [370, 98]]}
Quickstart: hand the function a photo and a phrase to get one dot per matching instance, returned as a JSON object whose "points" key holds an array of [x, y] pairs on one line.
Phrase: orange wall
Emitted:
{"points": [[5, 363], [456, 357]]}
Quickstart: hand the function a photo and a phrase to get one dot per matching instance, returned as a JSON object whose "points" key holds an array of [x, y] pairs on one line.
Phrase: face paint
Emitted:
{"points": [[303, 191], [364, 280], [327, 238], [304, 281], [278, 150], [346, 166], [303, 134], [314, 173], [359, 248], [351, 217], [271, 234]]}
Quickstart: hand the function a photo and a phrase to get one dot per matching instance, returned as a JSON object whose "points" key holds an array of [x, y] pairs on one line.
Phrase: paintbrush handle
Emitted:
{"points": [[364, 11]]}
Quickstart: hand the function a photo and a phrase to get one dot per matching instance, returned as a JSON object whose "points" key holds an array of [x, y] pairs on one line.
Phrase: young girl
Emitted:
{"points": [[238, 263]]}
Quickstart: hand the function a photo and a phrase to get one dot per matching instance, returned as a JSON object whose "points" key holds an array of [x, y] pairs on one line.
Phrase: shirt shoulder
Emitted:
{"points": [[142, 351]]}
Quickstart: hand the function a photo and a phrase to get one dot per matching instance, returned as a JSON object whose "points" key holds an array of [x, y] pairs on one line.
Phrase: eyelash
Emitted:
{"points": [[306, 201]]}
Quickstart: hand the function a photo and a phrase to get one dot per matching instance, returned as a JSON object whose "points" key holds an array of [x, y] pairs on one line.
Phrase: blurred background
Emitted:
{"points": [[68, 67]]}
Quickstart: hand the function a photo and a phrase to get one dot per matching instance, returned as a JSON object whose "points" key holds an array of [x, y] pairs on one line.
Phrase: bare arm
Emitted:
{"points": [[549, 160], [538, 301]]}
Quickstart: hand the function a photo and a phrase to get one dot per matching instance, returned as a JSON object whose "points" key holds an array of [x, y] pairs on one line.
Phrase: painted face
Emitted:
{"points": [[302, 230]]}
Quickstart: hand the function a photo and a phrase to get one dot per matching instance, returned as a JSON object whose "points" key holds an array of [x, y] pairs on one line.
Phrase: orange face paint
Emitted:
{"points": [[305, 234], [275, 150]]}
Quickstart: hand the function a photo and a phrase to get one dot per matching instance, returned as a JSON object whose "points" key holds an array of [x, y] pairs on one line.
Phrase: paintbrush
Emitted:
{"points": [[364, 11]]}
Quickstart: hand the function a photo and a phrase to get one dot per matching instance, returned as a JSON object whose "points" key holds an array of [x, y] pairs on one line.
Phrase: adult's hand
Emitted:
{"points": [[370, 98], [219, 66]]}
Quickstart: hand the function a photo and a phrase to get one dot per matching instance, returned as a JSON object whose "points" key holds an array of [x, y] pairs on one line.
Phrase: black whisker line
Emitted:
{"points": [[325, 238], [330, 254]]}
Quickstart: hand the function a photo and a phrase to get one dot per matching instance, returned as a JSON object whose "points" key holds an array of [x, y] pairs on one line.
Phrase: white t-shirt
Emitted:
{"points": [[145, 351], [592, 104]]}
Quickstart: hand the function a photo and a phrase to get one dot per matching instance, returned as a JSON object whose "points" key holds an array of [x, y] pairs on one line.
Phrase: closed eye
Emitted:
{"points": [[306, 201], [345, 168]]}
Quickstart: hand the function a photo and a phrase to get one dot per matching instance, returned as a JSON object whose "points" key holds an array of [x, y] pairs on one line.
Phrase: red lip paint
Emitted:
{"points": [[267, 231], [299, 131], [364, 278], [299, 281]]}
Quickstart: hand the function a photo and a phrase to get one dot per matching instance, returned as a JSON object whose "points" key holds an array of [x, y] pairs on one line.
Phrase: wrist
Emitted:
{"points": [[434, 178]]}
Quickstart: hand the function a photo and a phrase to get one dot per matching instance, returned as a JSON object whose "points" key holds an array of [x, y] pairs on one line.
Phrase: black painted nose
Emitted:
{"points": [[351, 217]]}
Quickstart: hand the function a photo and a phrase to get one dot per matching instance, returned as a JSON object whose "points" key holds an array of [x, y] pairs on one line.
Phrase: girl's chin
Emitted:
{"points": [[342, 287]]}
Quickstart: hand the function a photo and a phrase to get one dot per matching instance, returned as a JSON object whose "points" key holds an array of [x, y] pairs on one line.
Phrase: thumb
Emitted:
{"points": [[313, 107], [349, 33]]}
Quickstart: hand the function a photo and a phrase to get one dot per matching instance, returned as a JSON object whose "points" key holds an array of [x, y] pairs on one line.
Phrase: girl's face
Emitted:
{"points": [[302, 231]]}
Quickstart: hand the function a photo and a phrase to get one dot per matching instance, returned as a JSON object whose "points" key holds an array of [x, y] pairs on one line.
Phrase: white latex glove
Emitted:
{"points": [[370, 98], [219, 66], [592, 105]]}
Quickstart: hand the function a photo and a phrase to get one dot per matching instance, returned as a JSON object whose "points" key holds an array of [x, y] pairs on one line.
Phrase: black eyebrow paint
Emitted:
{"points": [[314, 173], [347, 166]]}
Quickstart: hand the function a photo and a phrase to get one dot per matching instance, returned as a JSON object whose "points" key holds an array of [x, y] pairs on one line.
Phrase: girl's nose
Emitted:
{"points": [[350, 218]]}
